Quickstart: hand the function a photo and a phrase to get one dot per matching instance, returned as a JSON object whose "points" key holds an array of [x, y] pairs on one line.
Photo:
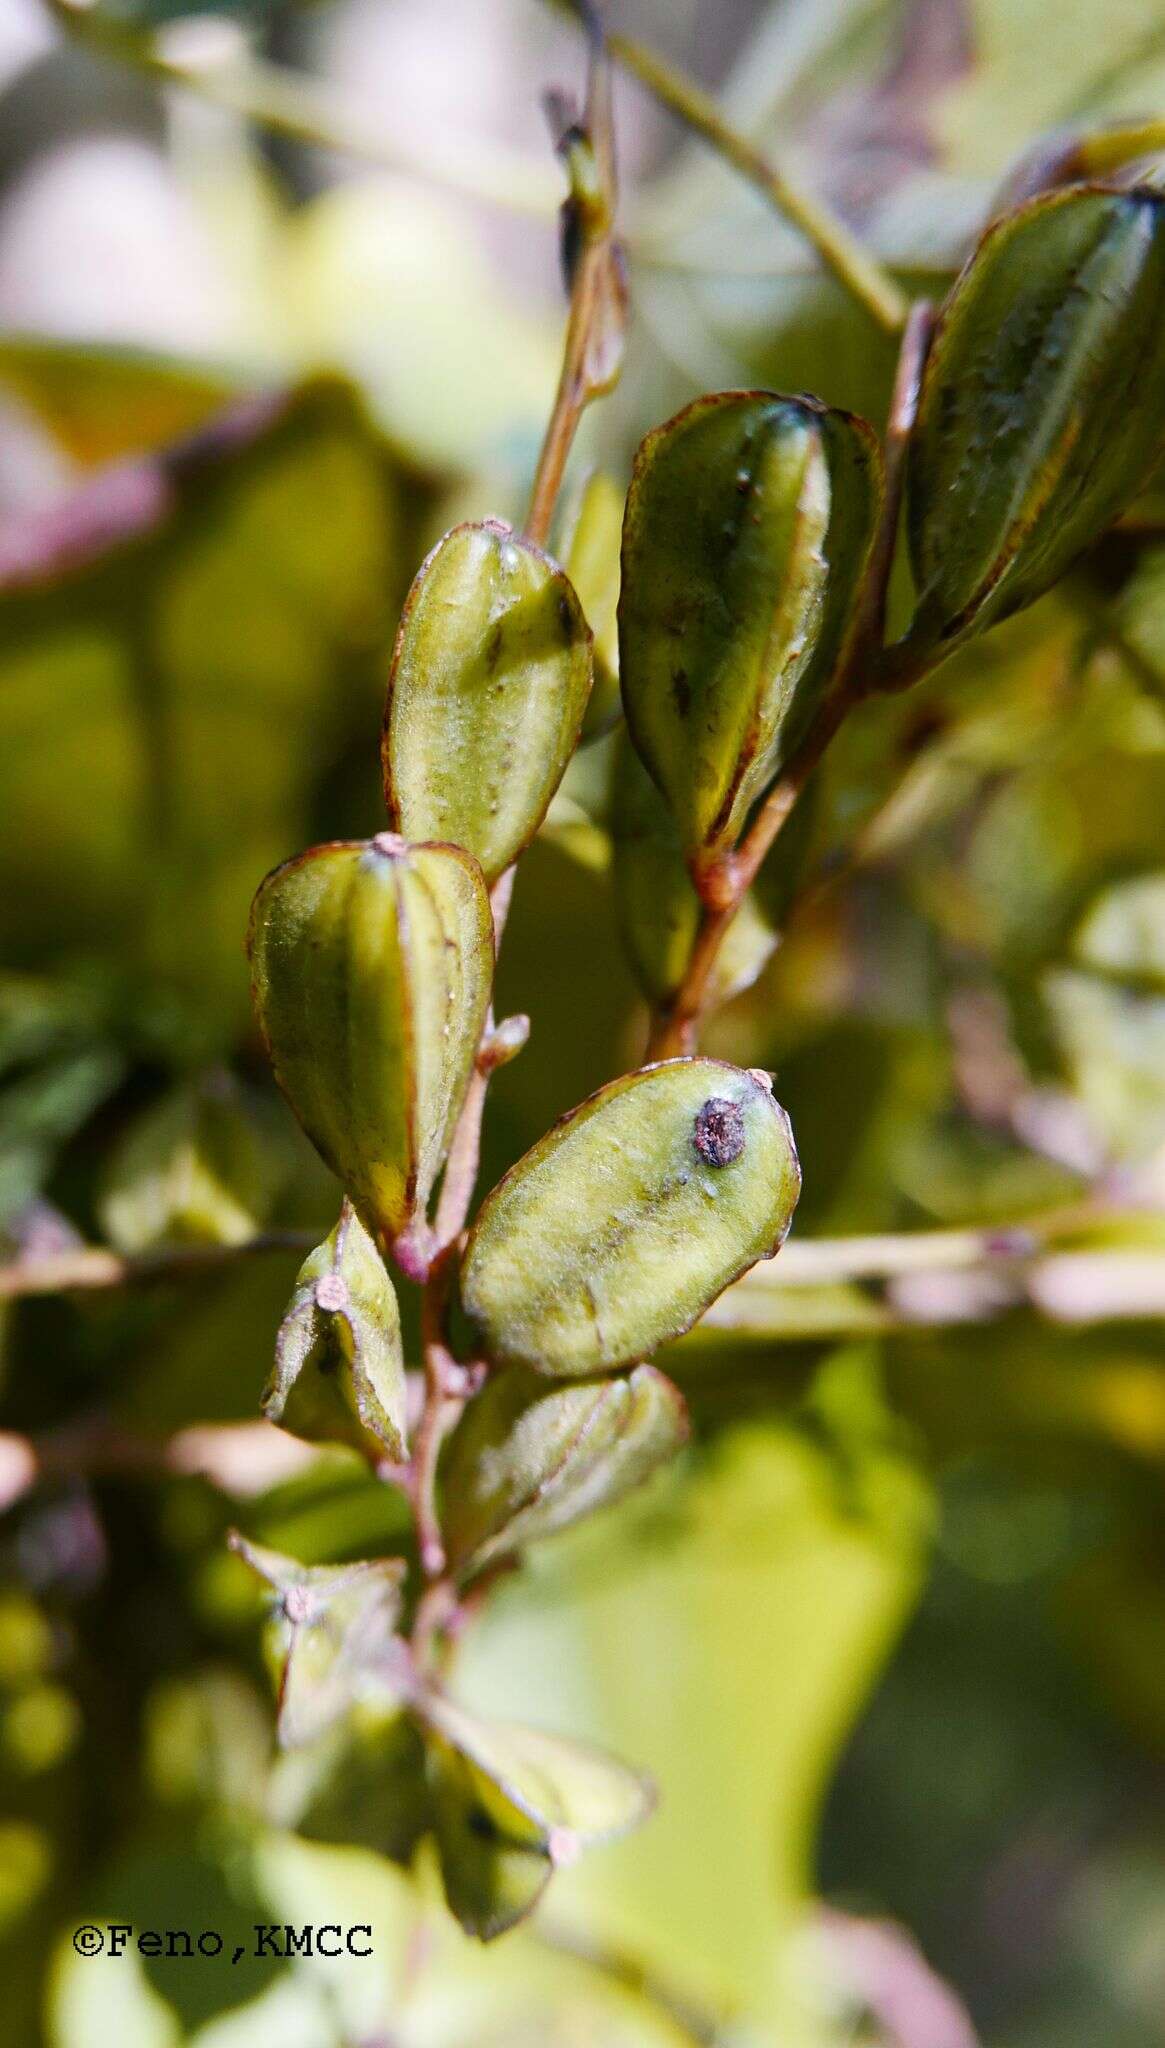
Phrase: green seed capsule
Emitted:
{"points": [[371, 970], [510, 1804], [528, 1460], [489, 682], [339, 1369], [330, 1637], [749, 521], [627, 1219], [1042, 407]]}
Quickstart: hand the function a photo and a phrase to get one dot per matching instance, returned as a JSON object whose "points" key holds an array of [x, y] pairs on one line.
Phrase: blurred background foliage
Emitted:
{"points": [[890, 1634]]}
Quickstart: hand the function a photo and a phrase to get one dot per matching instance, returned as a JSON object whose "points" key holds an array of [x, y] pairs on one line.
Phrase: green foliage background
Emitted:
{"points": [[890, 1632]]}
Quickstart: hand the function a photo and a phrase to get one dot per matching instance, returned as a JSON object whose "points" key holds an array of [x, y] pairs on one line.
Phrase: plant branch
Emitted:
{"points": [[96, 1266], [931, 1279], [592, 357], [442, 1375], [240, 1458], [904, 397], [593, 261], [674, 1028], [447, 1384], [842, 253]]}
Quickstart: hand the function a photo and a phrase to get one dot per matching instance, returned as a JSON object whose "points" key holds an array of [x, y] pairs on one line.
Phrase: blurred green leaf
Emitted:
{"points": [[1112, 1040], [103, 403], [207, 1741], [762, 1600], [44, 1108], [1123, 933], [386, 283], [189, 645], [194, 1169]]}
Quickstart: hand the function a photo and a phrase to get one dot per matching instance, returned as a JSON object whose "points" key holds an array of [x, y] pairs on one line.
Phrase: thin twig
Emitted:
{"points": [[843, 254], [95, 1266], [593, 348], [592, 354], [240, 1458], [815, 1261], [441, 1374], [916, 339], [446, 1383], [286, 102]]}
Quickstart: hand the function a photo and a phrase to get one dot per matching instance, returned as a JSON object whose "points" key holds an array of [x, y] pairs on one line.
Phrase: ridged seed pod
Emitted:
{"points": [[372, 963], [1042, 408], [490, 678], [748, 525]]}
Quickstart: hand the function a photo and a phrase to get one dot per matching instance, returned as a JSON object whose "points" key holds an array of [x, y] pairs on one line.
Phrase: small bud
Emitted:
{"points": [[489, 681], [504, 1043], [749, 521], [617, 1230], [339, 1369], [371, 966], [331, 1292]]}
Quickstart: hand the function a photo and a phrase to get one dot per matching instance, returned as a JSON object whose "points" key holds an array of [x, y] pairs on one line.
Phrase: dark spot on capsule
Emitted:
{"points": [[681, 690], [565, 617], [481, 1824], [718, 1132]]}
